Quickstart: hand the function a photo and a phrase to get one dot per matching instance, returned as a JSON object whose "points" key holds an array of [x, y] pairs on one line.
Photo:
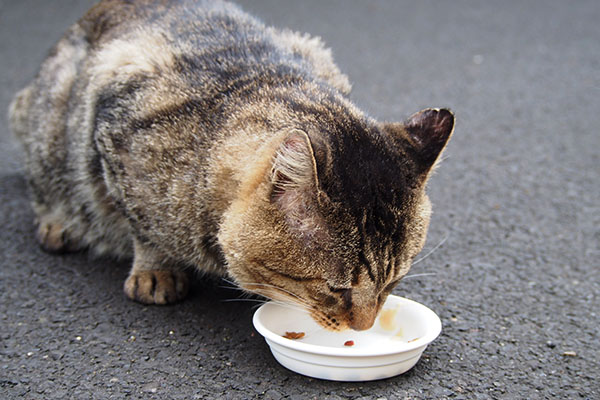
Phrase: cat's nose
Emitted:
{"points": [[363, 318], [361, 324]]}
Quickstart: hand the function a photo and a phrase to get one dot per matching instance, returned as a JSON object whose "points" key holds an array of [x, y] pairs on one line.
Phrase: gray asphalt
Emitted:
{"points": [[516, 205]]}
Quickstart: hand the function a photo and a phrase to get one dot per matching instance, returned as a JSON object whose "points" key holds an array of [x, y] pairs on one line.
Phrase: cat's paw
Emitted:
{"points": [[157, 286], [53, 238]]}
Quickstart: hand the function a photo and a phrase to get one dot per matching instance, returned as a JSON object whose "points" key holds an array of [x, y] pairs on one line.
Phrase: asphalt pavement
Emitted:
{"points": [[515, 280]]}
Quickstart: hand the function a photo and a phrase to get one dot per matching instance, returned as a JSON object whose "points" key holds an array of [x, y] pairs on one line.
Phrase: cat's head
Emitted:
{"points": [[337, 219]]}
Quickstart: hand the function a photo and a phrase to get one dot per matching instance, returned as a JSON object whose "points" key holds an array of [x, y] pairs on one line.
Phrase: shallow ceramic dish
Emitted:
{"points": [[391, 347]]}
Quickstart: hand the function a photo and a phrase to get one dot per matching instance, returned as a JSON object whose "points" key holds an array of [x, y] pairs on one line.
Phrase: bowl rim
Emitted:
{"points": [[434, 327]]}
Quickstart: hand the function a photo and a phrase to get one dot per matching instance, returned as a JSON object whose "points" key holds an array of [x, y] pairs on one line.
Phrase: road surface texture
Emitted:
{"points": [[516, 205]]}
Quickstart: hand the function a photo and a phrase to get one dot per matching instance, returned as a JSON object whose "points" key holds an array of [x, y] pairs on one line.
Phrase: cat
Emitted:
{"points": [[187, 134]]}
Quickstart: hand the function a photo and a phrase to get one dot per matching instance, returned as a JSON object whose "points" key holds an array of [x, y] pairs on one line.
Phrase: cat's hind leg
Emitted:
{"points": [[152, 280]]}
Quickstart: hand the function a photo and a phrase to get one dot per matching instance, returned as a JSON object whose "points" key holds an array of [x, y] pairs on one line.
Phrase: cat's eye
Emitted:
{"points": [[337, 290]]}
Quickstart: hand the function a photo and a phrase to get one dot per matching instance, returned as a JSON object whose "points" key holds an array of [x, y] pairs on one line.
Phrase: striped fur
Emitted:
{"points": [[186, 133]]}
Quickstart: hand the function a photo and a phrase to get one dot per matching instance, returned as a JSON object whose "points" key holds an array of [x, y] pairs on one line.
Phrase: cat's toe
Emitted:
{"points": [[53, 238], [157, 286]]}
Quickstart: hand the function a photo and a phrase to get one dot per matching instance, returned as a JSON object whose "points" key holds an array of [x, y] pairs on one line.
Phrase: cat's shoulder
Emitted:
{"points": [[313, 49]]}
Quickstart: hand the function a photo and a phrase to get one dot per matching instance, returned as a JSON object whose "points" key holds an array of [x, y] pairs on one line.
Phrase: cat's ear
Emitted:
{"points": [[294, 186], [428, 131], [294, 171]]}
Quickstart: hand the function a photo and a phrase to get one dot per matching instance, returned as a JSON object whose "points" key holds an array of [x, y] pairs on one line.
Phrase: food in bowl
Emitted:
{"points": [[377, 353], [294, 335]]}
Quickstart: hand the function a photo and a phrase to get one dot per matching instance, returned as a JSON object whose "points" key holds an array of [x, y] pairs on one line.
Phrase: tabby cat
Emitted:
{"points": [[187, 134]]}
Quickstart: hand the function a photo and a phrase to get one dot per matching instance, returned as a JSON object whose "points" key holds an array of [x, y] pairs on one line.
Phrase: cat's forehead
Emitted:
{"points": [[359, 167]]}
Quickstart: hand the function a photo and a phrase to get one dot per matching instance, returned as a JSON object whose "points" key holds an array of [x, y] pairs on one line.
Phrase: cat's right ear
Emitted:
{"points": [[428, 132]]}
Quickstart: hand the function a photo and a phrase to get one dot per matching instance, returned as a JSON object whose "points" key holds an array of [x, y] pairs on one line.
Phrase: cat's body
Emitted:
{"points": [[187, 134]]}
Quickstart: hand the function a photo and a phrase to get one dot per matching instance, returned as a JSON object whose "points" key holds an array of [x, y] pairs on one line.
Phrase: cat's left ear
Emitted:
{"points": [[294, 171], [428, 132], [294, 186]]}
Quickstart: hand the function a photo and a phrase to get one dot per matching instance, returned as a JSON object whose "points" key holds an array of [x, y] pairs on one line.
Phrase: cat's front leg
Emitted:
{"points": [[153, 280]]}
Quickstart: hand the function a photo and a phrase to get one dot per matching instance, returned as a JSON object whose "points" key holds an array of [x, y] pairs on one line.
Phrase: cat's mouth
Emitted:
{"points": [[356, 317], [357, 310], [329, 322], [344, 322]]}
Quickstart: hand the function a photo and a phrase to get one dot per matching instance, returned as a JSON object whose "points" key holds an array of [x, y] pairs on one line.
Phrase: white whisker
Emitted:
{"points": [[234, 285], [431, 251], [418, 275], [291, 306], [277, 288], [245, 300], [444, 158], [239, 289], [276, 294]]}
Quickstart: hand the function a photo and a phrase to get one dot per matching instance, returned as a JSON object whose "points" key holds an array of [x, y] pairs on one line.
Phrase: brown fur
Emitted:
{"points": [[187, 134]]}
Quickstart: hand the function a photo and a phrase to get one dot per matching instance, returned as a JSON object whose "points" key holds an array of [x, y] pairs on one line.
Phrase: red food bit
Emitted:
{"points": [[349, 343]]}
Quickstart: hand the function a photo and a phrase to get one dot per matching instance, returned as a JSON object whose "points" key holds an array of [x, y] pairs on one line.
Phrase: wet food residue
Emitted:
{"points": [[386, 320], [294, 335]]}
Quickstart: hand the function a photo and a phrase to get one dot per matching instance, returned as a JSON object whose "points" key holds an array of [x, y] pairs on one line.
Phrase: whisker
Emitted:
{"points": [[260, 302], [277, 288], [295, 303], [444, 158], [292, 300], [267, 285], [418, 275], [281, 297], [276, 294], [245, 300], [232, 283], [290, 306], [239, 289], [431, 251]]}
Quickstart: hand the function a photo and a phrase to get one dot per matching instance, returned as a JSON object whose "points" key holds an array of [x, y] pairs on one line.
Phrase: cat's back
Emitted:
{"points": [[176, 19], [208, 41], [124, 62], [134, 80]]}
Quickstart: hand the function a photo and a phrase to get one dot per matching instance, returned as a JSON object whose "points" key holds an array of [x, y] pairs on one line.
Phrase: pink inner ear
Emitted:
{"points": [[280, 182], [308, 226], [295, 143], [302, 218], [294, 188], [293, 166]]}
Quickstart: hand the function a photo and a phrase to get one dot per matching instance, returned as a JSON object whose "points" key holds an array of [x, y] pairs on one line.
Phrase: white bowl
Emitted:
{"points": [[391, 347]]}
